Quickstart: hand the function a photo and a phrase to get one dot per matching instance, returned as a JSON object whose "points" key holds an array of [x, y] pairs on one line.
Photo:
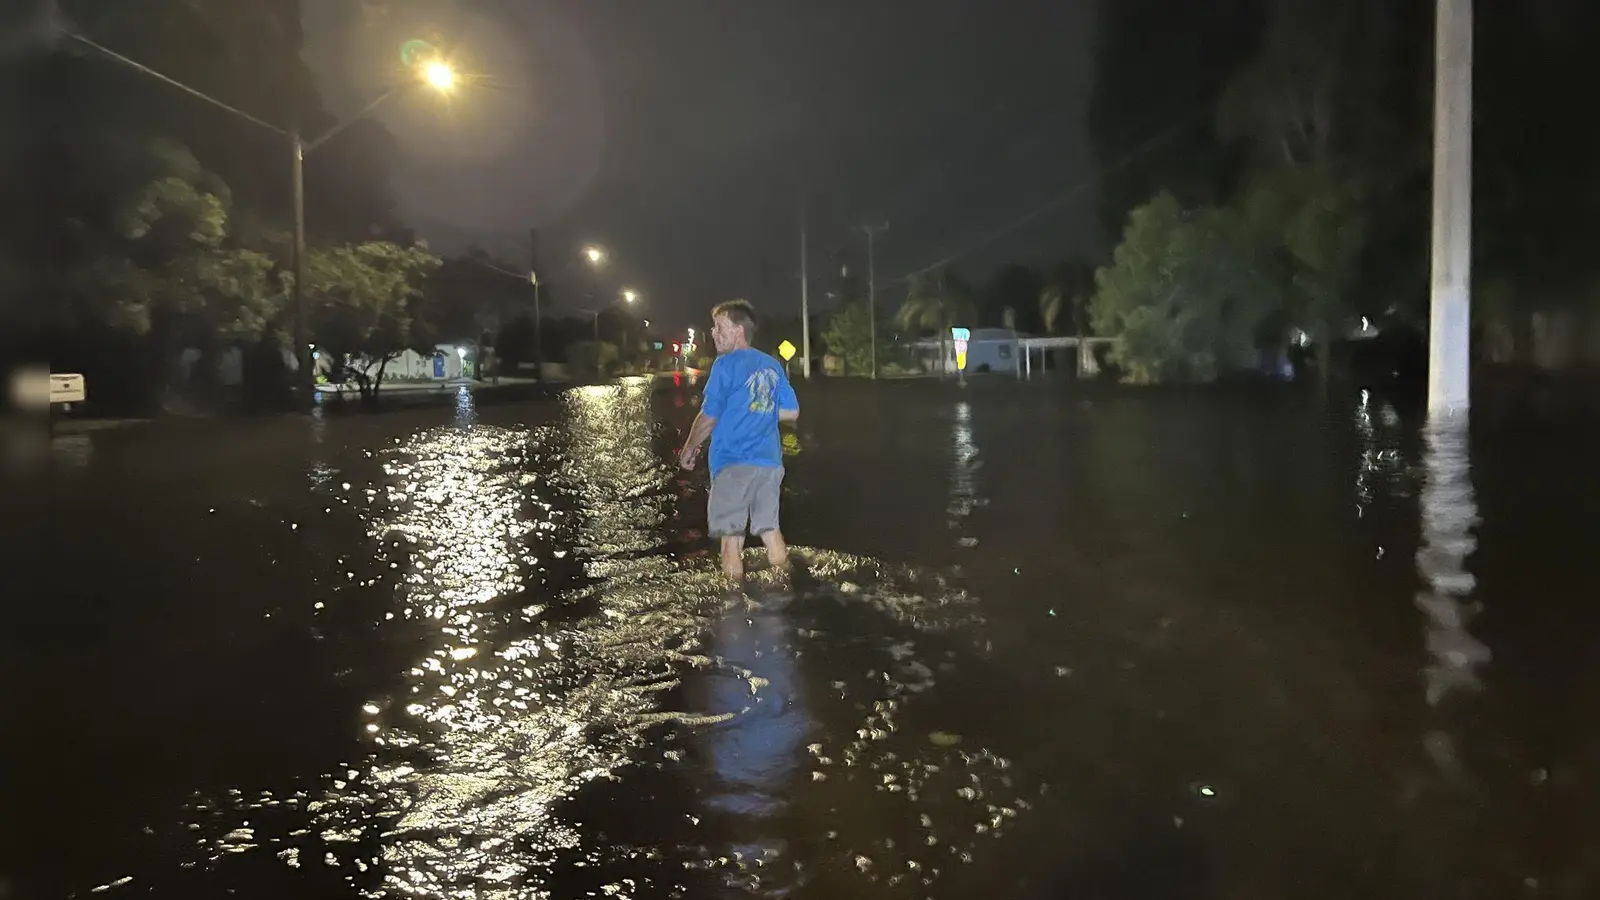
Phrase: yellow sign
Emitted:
{"points": [[786, 350]]}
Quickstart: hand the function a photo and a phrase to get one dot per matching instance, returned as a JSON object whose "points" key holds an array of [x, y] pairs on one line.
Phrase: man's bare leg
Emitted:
{"points": [[777, 550], [733, 557]]}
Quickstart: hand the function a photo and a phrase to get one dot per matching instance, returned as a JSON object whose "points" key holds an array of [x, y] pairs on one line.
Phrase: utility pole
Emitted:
{"points": [[805, 298], [306, 376], [440, 75], [538, 327], [1450, 313], [871, 231]]}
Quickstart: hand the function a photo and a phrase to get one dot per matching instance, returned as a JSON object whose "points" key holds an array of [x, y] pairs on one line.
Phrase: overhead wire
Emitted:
{"points": [[1166, 134]]}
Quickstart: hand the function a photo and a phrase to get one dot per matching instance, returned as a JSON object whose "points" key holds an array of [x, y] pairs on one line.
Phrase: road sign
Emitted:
{"points": [[961, 336], [786, 350], [67, 388]]}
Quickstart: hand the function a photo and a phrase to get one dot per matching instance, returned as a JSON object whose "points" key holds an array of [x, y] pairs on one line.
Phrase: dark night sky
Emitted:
{"points": [[677, 133]]}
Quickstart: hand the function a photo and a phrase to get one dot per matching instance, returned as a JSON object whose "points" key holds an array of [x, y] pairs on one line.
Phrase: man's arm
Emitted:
{"points": [[699, 433], [788, 404], [711, 401]]}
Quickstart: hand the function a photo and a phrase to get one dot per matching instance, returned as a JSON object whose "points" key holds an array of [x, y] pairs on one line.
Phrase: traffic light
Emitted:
{"points": [[674, 346]]}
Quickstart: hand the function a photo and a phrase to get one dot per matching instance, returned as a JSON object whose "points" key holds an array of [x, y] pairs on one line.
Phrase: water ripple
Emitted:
{"points": [[558, 651]]}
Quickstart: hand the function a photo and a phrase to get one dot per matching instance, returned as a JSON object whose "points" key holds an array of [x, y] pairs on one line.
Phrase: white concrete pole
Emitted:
{"points": [[1449, 340]]}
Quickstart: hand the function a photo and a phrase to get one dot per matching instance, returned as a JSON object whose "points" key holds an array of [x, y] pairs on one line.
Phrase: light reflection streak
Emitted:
{"points": [[1381, 469], [755, 754], [611, 462], [71, 452], [963, 482], [1449, 515], [513, 712], [518, 696], [903, 806], [466, 408]]}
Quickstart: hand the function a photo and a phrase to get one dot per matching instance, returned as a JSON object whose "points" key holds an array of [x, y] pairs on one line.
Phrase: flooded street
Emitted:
{"points": [[1045, 642]]}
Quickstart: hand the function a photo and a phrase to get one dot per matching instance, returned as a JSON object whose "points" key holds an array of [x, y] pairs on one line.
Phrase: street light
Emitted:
{"points": [[436, 73], [595, 255], [629, 296], [440, 75]]}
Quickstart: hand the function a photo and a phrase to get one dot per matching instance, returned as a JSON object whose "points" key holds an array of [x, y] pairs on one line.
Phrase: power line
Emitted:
{"points": [[1166, 134], [520, 276], [524, 278], [172, 81]]}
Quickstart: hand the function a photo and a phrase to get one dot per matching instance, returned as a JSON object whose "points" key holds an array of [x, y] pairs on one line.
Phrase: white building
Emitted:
{"points": [[988, 350], [447, 362], [1008, 351]]}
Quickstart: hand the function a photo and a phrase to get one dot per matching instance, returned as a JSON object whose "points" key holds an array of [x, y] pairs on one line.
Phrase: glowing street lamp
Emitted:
{"points": [[436, 74], [594, 255], [439, 75], [629, 295]]}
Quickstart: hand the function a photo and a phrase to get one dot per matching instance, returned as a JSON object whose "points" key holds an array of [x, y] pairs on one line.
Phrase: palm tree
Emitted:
{"points": [[1068, 287], [935, 300]]}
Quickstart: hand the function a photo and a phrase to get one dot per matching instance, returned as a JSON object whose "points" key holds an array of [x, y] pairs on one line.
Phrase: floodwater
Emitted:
{"points": [[1046, 642]]}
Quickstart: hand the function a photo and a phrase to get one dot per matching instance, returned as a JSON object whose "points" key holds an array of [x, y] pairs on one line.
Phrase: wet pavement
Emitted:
{"points": [[1047, 641]]}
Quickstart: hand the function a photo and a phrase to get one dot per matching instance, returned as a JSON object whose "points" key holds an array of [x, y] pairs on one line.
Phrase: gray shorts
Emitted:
{"points": [[744, 498]]}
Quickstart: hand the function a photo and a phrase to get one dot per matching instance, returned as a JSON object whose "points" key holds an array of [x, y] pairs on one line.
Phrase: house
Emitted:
{"points": [[447, 362], [988, 350], [1011, 352]]}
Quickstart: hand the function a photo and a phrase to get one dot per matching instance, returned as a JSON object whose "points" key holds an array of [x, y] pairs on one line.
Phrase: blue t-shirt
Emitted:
{"points": [[744, 393]]}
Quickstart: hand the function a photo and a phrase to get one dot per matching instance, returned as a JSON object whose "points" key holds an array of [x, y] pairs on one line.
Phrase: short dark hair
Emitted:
{"points": [[740, 313]]}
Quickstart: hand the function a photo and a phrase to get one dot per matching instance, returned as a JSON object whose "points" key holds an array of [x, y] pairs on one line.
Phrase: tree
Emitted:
{"points": [[1159, 66], [473, 293], [935, 301], [161, 255], [1067, 289], [157, 255], [152, 270], [1185, 294], [365, 306], [1314, 219], [1010, 299], [848, 336], [247, 53], [599, 357]]}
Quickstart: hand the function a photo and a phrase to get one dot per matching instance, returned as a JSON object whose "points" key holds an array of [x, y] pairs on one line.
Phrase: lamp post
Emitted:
{"points": [[596, 258], [436, 73], [628, 296]]}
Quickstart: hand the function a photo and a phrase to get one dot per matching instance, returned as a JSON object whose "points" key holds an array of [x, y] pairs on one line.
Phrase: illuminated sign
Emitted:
{"points": [[961, 336], [66, 388], [786, 350]]}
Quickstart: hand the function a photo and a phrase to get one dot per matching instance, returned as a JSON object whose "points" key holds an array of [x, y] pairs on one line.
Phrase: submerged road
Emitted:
{"points": [[1047, 641]]}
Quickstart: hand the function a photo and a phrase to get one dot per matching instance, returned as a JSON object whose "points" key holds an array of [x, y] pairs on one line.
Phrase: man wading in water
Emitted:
{"points": [[746, 396]]}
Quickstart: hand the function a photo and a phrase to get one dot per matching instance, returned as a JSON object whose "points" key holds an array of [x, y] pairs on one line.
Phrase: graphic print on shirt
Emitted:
{"points": [[762, 384]]}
